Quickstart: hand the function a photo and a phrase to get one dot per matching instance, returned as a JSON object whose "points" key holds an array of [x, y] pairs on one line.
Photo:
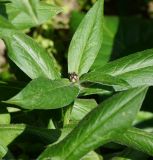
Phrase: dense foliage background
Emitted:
{"points": [[128, 29]]}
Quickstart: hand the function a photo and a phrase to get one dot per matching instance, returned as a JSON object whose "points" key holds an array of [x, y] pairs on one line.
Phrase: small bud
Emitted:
{"points": [[73, 77]]}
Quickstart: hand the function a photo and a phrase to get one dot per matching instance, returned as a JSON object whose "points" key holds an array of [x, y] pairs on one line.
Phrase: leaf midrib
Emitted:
{"points": [[24, 45], [91, 133], [85, 46]]}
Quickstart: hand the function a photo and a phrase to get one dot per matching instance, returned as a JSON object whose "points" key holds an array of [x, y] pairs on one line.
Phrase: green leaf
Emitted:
{"points": [[89, 156], [142, 117], [29, 7], [89, 91], [81, 108], [92, 156], [15, 15], [137, 139], [5, 24], [29, 56], [105, 79], [135, 69], [128, 154], [111, 24], [43, 93], [9, 132], [110, 28], [5, 1], [3, 150], [112, 117], [87, 41], [5, 117]]}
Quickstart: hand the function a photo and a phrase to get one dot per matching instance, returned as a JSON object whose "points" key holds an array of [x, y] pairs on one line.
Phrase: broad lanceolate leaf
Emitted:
{"points": [[15, 15], [137, 139], [105, 79], [43, 93], [87, 41], [136, 69], [113, 116], [29, 56]]}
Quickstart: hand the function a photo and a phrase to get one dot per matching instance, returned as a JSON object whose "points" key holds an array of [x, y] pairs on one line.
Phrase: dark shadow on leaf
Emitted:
{"points": [[33, 141]]}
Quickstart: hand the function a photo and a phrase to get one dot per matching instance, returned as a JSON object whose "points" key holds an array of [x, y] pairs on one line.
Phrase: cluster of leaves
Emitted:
{"points": [[76, 124]]}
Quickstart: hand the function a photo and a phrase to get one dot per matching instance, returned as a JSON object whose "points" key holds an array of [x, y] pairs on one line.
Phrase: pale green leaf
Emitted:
{"points": [[110, 29], [29, 7], [86, 41], [3, 151], [5, 117], [9, 132], [29, 56], [92, 156], [15, 15], [142, 117]]}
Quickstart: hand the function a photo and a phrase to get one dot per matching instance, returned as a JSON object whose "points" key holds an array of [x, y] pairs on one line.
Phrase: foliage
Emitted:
{"points": [[97, 106]]}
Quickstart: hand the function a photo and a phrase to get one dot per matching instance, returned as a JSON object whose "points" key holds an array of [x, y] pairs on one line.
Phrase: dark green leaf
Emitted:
{"points": [[8, 89], [111, 117], [137, 139], [87, 41], [43, 93], [105, 79], [128, 154], [29, 56], [89, 91]]}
